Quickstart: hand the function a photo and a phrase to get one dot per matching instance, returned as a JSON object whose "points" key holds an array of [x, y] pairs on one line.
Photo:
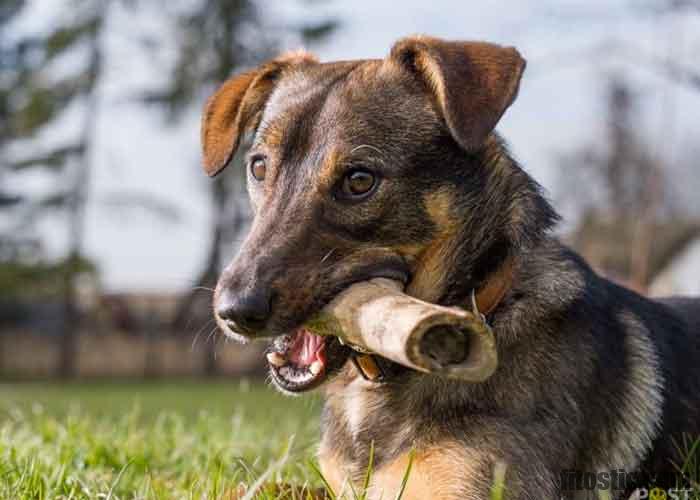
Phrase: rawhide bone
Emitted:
{"points": [[375, 316]]}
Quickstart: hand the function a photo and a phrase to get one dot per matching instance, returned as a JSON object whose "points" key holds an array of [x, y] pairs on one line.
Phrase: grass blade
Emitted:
{"points": [[250, 494], [318, 472], [404, 480], [498, 487], [117, 479], [368, 474]]}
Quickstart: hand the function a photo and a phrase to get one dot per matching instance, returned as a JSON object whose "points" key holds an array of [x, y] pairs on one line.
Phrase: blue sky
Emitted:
{"points": [[559, 106]]}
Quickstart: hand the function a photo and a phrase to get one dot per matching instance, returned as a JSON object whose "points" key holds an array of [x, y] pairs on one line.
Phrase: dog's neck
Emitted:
{"points": [[509, 218]]}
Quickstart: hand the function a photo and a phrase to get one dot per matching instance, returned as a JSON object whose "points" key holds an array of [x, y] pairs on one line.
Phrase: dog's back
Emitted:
{"points": [[688, 308], [678, 344]]}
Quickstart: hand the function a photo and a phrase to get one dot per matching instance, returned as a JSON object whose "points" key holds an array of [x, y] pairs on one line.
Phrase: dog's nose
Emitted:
{"points": [[246, 313]]}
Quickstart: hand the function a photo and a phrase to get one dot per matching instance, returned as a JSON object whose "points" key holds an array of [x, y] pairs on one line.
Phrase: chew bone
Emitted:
{"points": [[377, 317]]}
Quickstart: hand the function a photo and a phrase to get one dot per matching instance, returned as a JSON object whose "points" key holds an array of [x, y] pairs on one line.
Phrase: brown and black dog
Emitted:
{"points": [[392, 168]]}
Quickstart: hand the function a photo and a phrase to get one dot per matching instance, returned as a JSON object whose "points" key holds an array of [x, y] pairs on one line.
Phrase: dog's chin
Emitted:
{"points": [[302, 361]]}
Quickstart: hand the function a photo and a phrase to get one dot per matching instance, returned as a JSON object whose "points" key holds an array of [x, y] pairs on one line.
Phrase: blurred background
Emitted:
{"points": [[111, 236]]}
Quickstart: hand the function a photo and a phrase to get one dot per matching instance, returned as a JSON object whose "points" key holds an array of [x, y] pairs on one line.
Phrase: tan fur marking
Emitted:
{"points": [[326, 176], [333, 471], [410, 252], [439, 206], [437, 472], [430, 271], [273, 134]]}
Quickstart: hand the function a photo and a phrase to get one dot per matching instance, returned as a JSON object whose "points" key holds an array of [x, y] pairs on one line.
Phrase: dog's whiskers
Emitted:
{"points": [[211, 336], [325, 257], [217, 344], [199, 332]]}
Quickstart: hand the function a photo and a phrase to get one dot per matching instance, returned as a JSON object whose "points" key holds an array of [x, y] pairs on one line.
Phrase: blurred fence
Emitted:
{"points": [[29, 354], [117, 335]]}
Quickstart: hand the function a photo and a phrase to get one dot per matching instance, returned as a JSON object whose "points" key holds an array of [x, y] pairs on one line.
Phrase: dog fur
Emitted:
{"points": [[592, 377]]}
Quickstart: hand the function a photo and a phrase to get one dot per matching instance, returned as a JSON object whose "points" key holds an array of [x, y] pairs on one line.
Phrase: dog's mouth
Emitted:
{"points": [[301, 361]]}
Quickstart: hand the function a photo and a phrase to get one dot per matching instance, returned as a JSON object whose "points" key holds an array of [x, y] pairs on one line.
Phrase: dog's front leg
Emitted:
{"points": [[451, 472]]}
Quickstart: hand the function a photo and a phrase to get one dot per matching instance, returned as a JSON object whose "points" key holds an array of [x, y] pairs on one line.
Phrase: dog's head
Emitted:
{"points": [[356, 170]]}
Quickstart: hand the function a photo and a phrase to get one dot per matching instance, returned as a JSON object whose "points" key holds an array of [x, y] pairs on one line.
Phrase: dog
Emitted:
{"points": [[392, 168]]}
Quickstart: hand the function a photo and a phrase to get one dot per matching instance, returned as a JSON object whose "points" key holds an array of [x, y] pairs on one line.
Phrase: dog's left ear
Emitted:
{"points": [[473, 82]]}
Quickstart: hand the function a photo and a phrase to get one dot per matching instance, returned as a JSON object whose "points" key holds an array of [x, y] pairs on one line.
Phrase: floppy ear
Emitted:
{"points": [[473, 82], [236, 106]]}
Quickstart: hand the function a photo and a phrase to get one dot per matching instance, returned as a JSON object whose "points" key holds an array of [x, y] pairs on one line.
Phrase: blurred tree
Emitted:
{"points": [[634, 231], [671, 65], [10, 68], [636, 228], [32, 98], [216, 38]]}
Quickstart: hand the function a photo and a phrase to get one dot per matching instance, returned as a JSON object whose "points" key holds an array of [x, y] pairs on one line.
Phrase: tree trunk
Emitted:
{"points": [[77, 205], [67, 367]]}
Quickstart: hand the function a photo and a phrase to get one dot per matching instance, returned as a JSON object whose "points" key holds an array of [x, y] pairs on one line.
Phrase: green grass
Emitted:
{"points": [[180, 439], [169, 440]]}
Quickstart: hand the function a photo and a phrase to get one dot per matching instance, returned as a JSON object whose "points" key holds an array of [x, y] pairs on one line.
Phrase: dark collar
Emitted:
{"points": [[375, 368]]}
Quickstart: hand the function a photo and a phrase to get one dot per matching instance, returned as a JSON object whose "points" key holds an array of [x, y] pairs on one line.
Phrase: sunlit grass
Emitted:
{"points": [[178, 440], [151, 441]]}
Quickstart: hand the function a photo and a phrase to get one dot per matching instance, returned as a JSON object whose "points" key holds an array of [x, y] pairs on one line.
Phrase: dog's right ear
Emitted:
{"points": [[237, 106]]}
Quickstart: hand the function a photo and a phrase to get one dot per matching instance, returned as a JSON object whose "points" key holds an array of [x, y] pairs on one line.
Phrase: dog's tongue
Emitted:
{"points": [[307, 348]]}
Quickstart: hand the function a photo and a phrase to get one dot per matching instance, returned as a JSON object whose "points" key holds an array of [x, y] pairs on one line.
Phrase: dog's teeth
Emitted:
{"points": [[276, 359], [316, 367]]}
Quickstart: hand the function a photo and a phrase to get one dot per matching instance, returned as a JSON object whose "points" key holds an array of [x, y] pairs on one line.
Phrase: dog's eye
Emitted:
{"points": [[358, 183], [258, 168]]}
